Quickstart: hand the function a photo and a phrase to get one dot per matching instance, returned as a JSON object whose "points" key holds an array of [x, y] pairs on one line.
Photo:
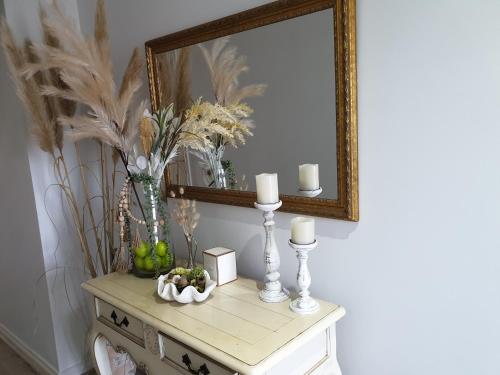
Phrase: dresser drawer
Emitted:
{"points": [[192, 362], [123, 323]]}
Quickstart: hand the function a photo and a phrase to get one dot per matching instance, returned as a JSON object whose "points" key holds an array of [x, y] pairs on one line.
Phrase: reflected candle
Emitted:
{"points": [[308, 177], [303, 231], [267, 188]]}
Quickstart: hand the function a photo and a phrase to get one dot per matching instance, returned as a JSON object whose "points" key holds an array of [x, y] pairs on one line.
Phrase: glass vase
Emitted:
{"points": [[158, 259], [191, 252]]}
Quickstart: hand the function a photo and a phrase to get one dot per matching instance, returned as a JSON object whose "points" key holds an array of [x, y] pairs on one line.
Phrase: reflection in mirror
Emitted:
{"points": [[293, 118]]}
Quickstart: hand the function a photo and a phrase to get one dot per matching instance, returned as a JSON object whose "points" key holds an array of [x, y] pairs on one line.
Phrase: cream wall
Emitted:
{"points": [[420, 273]]}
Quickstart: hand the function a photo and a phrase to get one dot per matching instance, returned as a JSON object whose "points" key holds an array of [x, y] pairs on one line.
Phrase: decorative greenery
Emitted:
{"points": [[196, 273], [181, 271], [183, 278]]}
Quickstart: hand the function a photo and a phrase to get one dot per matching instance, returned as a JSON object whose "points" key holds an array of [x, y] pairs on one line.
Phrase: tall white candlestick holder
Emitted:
{"points": [[304, 304], [311, 193], [272, 292]]}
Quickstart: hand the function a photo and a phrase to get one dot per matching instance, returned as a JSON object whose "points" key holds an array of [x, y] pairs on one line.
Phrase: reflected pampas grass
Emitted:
{"points": [[225, 67], [174, 79]]}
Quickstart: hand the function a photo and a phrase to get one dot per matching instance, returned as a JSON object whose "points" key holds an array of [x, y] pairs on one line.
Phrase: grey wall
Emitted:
{"points": [[420, 273]]}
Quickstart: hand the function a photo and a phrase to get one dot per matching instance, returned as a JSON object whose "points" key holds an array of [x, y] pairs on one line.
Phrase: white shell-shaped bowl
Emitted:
{"points": [[169, 292]]}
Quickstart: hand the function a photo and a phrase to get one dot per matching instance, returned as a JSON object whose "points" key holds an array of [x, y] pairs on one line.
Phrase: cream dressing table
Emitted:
{"points": [[233, 332]]}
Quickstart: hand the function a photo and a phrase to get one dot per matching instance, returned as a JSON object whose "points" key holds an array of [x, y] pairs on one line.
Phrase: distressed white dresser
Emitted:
{"points": [[232, 332]]}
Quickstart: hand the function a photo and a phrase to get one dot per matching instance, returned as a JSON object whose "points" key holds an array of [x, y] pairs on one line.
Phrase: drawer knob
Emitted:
{"points": [[124, 321], [203, 370]]}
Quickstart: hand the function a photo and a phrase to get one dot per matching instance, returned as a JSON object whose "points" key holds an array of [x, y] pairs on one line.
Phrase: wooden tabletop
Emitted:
{"points": [[233, 325]]}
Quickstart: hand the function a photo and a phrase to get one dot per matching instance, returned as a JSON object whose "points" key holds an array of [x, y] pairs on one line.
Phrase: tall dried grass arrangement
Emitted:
{"points": [[84, 66], [51, 78]]}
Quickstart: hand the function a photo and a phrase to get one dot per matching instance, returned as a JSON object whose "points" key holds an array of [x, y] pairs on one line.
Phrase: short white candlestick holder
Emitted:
{"points": [[304, 304], [272, 292], [311, 193]]}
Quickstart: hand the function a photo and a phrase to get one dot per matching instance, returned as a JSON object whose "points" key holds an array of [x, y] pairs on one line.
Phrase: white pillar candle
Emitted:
{"points": [[267, 188], [303, 230], [308, 177]]}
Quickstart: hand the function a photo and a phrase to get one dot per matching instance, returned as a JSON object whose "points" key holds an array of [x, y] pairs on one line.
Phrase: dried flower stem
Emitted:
{"points": [[187, 217]]}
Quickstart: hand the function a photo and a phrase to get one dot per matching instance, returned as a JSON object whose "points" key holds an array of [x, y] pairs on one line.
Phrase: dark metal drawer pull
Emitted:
{"points": [[124, 321], [203, 370]]}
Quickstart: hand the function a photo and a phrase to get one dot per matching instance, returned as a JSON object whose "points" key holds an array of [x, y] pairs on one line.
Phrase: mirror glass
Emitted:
{"points": [[294, 119]]}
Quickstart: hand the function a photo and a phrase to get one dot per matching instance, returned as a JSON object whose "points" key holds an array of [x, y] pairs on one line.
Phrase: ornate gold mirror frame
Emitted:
{"points": [[344, 18]]}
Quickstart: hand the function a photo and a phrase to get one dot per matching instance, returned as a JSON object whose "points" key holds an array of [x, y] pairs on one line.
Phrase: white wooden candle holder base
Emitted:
{"points": [[311, 193], [273, 292], [304, 304]]}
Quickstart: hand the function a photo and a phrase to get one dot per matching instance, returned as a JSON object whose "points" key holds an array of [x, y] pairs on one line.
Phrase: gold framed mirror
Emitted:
{"points": [[284, 23]]}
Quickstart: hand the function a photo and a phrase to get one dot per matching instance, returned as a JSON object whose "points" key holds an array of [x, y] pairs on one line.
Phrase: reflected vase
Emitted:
{"points": [[217, 171]]}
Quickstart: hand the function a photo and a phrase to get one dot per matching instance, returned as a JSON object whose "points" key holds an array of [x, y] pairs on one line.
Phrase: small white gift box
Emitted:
{"points": [[220, 264]]}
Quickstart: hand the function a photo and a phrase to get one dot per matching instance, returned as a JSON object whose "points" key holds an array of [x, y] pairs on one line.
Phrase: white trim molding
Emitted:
{"points": [[38, 363]]}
